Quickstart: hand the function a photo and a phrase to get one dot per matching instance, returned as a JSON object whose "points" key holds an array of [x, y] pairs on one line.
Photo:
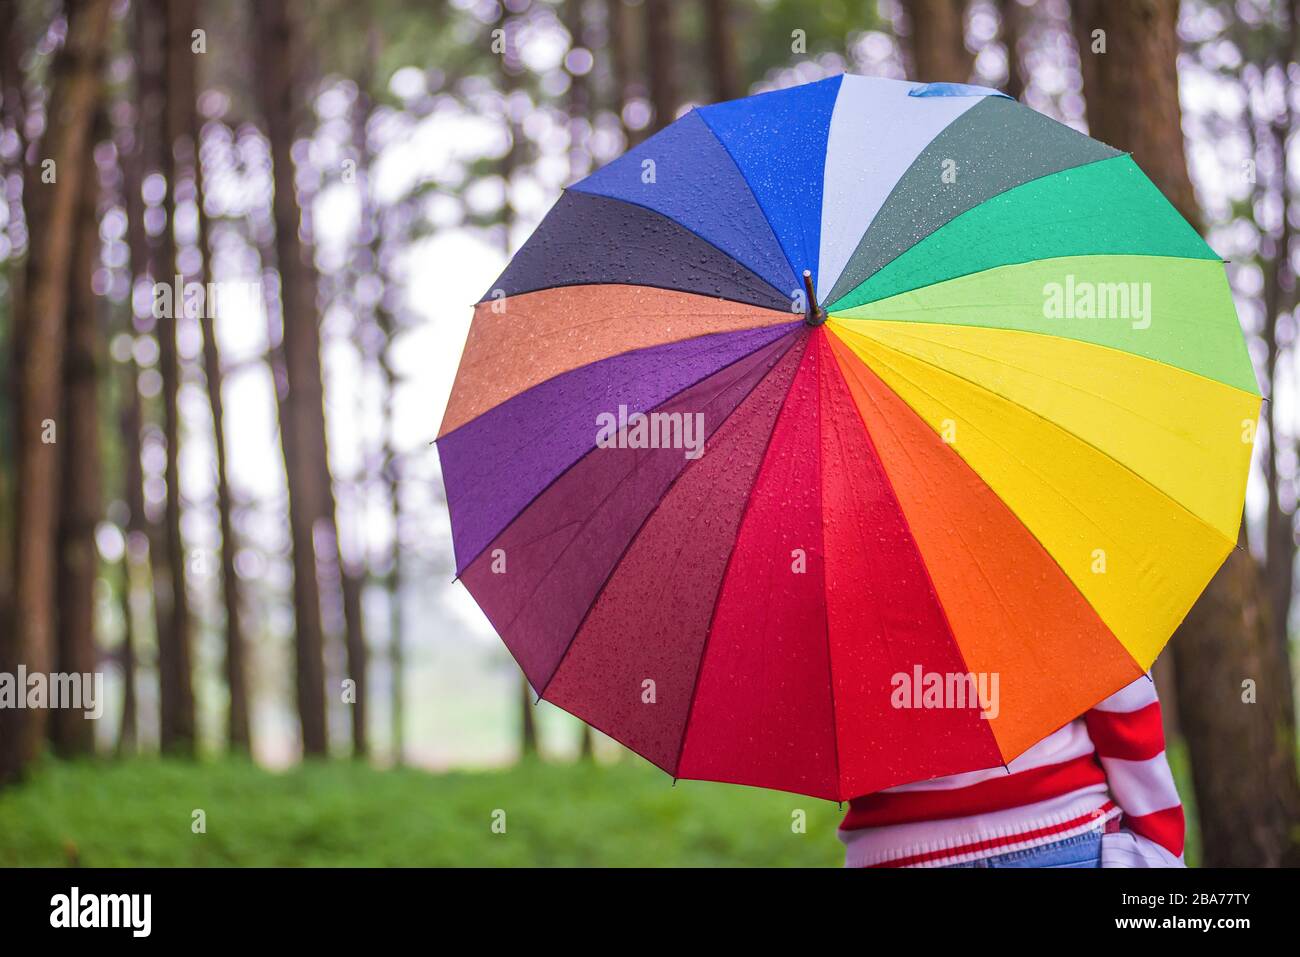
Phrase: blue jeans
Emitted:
{"points": [[1082, 850]]}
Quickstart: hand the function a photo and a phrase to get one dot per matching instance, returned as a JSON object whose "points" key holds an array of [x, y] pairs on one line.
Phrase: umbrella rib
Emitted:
{"points": [[717, 598], [637, 534], [825, 357], [794, 270]]}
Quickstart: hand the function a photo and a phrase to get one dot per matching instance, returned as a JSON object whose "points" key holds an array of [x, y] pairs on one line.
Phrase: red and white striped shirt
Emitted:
{"points": [[1107, 766]]}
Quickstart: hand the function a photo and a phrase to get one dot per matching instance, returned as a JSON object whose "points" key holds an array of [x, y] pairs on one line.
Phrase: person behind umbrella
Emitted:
{"points": [[1096, 793]]}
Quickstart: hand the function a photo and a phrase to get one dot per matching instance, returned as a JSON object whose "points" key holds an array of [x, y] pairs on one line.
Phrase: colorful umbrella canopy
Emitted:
{"points": [[1007, 436]]}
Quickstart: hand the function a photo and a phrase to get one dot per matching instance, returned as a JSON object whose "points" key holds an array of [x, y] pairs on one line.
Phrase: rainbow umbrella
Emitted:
{"points": [[1001, 448]]}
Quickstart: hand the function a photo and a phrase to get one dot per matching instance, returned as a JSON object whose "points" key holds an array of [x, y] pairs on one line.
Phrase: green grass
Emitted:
{"points": [[139, 813], [1180, 766]]}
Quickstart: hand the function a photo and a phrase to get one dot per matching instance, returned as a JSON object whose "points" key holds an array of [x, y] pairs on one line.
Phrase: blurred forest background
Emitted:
{"points": [[234, 510]]}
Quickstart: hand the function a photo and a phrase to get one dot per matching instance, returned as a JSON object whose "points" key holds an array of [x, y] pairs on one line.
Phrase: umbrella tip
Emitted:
{"points": [[815, 314]]}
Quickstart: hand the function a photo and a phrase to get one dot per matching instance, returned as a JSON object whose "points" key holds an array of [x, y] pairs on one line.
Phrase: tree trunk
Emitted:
{"points": [[126, 729], [363, 112], [1131, 90], [578, 107], [353, 567], [82, 504], [238, 735], [1011, 18], [75, 83], [302, 423], [1233, 719], [176, 693], [509, 161], [724, 70], [353, 583], [1243, 757], [351, 560], [1083, 21], [1280, 300], [527, 724], [578, 101], [237, 720], [660, 66], [137, 152], [151, 96], [12, 116], [1279, 523], [392, 480], [396, 638], [134, 155], [621, 52], [13, 46], [937, 41]]}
